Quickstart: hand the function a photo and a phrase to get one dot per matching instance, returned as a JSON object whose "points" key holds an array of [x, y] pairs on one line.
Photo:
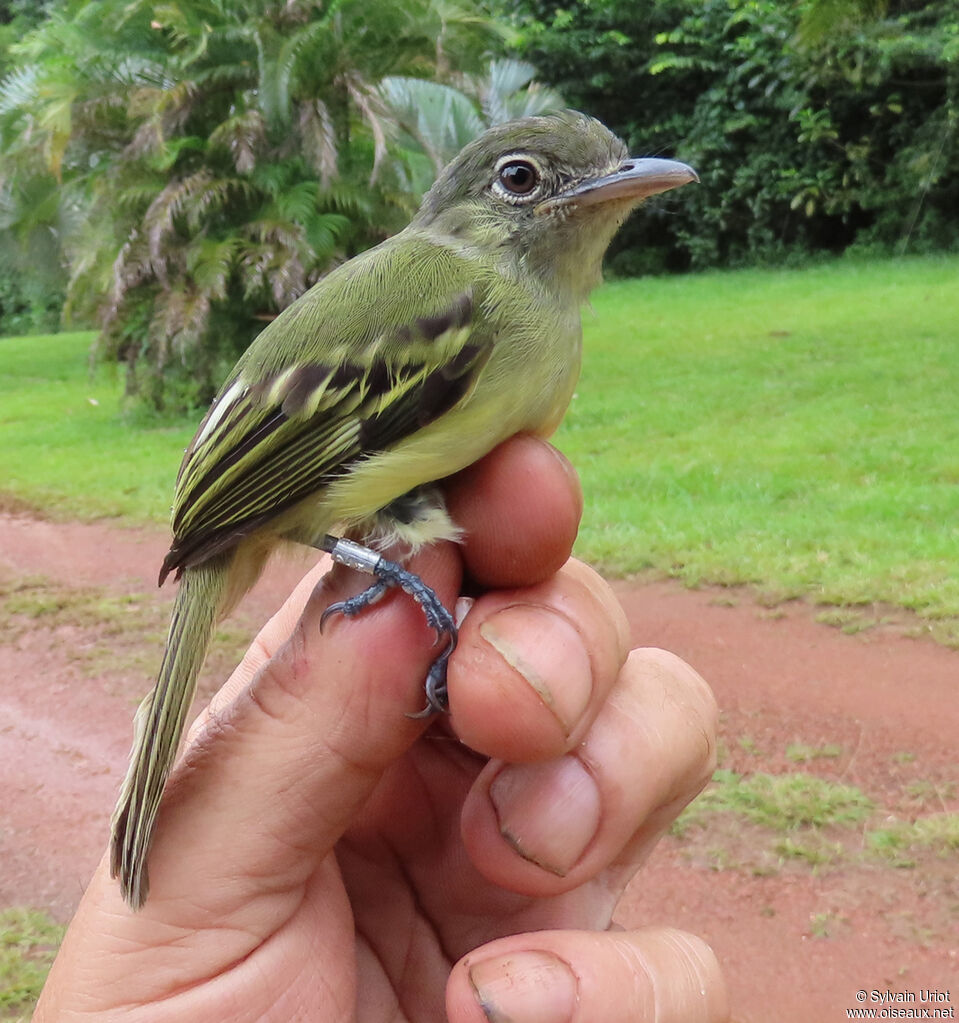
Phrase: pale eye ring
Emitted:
{"points": [[518, 178]]}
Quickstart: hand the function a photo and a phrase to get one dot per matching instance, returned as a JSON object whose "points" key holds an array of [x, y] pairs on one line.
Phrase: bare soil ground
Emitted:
{"points": [[799, 934]]}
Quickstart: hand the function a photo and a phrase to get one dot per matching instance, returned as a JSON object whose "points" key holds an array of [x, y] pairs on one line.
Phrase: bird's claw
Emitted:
{"points": [[437, 701], [352, 606], [391, 575], [331, 610]]}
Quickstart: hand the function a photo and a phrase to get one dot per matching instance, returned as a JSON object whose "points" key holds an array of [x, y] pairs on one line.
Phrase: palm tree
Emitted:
{"points": [[217, 156], [441, 117]]}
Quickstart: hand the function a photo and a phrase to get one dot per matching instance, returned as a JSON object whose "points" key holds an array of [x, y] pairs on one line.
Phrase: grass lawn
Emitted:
{"points": [[64, 446], [796, 430], [28, 943]]}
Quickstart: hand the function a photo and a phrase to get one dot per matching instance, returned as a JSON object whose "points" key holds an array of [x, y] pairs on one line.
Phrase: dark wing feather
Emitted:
{"points": [[265, 446]]}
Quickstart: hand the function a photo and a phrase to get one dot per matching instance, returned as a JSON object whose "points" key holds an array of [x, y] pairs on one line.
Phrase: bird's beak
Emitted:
{"points": [[635, 179]]}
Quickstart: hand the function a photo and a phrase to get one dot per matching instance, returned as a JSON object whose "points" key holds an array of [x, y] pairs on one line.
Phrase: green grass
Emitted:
{"points": [[794, 430], [800, 752], [28, 943], [780, 802], [758, 822], [797, 430], [938, 832], [64, 446]]}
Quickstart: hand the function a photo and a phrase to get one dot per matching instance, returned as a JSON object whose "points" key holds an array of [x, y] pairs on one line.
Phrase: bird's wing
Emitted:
{"points": [[351, 369]]}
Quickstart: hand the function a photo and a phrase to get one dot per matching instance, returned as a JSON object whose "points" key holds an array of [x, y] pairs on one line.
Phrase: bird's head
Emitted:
{"points": [[548, 192]]}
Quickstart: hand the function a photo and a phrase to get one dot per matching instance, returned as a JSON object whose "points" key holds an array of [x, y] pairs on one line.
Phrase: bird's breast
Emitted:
{"points": [[526, 386]]}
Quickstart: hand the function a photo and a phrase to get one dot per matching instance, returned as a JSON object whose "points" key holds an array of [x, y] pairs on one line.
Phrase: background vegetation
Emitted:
{"points": [[28, 943], [176, 173], [201, 163], [793, 430], [816, 125]]}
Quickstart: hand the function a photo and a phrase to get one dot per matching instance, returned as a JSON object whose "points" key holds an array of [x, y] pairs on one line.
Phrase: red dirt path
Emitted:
{"points": [[796, 945]]}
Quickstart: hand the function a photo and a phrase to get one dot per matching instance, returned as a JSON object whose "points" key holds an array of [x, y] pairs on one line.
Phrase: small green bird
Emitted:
{"points": [[399, 368]]}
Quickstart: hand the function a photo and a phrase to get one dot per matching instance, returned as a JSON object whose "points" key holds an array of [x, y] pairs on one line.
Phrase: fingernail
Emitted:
{"points": [[548, 653], [526, 987], [547, 812], [461, 609]]}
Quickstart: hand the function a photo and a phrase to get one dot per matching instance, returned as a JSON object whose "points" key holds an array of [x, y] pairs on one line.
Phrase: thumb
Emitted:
{"points": [[292, 746], [656, 974]]}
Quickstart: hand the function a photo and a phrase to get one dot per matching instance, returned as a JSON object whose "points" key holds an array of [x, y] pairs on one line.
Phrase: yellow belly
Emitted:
{"points": [[508, 400]]}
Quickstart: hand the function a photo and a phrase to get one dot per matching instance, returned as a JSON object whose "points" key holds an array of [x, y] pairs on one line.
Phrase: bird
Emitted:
{"points": [[398, 368]]}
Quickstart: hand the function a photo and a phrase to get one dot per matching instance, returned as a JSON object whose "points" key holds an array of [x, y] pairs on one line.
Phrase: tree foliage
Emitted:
{"points": [[31, 274], [814, 126], [183, 169], [205, 161], [439, 118]]}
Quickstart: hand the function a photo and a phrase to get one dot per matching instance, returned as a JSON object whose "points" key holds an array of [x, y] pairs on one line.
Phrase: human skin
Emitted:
{"points": [[323, 856]]}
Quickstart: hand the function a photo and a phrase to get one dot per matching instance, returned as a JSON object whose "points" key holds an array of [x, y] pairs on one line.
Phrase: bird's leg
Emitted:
{"points": [[390, 575]]}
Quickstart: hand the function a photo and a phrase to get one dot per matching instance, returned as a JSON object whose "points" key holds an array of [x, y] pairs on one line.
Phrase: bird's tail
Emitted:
{"points": [[159, 724]]}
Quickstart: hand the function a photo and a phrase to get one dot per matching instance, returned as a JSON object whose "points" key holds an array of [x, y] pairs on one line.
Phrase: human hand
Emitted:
{"points": [[321, 856]]}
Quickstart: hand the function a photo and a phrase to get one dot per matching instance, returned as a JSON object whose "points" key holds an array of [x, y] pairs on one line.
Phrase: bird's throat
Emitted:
{"points": [[568, 258]]}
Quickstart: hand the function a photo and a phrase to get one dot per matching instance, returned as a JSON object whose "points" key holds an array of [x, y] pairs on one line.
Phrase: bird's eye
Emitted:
{"points": [[519, 177]]}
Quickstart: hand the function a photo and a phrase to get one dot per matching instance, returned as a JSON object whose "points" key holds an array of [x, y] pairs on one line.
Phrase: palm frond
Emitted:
{"points": [[272, 271], [440, 118], [211, 264], [18, 89], [179, 320], [507, 89], [277, 76], [244, 135], [318, 137], [147, 139], [132, 266], [348, 197], [502, 79], [534, 99], [323, 232], [298, 203], [374, 113]]}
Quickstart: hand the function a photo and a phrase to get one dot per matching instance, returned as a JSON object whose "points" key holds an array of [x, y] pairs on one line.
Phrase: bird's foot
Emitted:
{"points": [[391, 575]]}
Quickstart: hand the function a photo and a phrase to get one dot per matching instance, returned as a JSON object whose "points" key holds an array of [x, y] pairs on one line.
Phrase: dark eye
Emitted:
{"points": [[519, 177]]}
